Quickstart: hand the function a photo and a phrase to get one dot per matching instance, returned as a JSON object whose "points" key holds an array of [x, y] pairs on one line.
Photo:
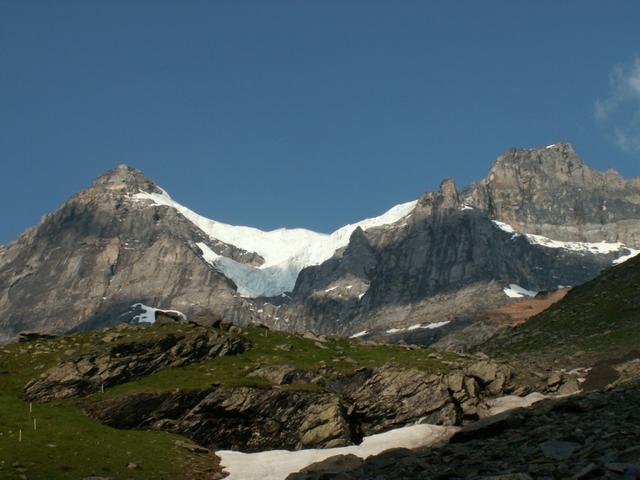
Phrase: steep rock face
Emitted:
{"points": [[444, 261], [85, 265], [551, 192]]}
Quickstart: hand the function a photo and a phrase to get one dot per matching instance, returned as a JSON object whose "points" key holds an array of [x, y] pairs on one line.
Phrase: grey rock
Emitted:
{"points": [[508, 476], [243, 418], [558, 450], [129, 360], [334, 465], [511, 448]]}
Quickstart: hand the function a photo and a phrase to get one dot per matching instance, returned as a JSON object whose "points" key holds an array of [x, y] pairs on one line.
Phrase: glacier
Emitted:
{"points": [[285, 251]]}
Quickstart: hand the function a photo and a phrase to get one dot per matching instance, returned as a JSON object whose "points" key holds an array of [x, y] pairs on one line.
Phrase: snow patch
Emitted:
{"points": [[148, 314], [359, 334], [278, 464], [596, 248], [504, 227], [428, 326], [632, 253], [433, 326], [516, 291], [285, 251]]}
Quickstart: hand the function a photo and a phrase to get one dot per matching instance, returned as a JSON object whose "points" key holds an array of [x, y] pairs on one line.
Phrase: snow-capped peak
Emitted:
{"points": [[285, 251]]}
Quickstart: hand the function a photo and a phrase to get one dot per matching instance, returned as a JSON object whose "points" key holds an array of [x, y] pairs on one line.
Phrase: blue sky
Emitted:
{"points": [[304, 113]]}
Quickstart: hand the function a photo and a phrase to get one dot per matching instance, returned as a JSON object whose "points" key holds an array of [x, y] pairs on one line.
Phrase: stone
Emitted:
{"points": [[508, 476], [192, 447], [334, 465], [558, 450], [34, 336]]}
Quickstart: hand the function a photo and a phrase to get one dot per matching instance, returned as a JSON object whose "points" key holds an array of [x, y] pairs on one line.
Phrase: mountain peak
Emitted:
{"points": [[127, 178], [558, 160]]}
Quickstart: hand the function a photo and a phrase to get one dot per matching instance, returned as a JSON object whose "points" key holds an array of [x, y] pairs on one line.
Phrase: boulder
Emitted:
{"points": [[32, 336]]}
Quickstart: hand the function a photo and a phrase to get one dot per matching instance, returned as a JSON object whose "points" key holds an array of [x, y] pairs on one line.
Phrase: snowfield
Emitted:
{"points": [[278, 464], [418, 326], [285, 251], [516, 291]]}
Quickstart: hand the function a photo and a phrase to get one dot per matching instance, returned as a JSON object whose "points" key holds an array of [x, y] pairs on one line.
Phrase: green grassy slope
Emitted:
{"points": [[272, 348], [65, 444], [69, 445], [596, 321]]}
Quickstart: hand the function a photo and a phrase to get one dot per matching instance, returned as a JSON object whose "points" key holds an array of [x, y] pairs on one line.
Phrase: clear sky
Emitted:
{"points": [[304, 113]]}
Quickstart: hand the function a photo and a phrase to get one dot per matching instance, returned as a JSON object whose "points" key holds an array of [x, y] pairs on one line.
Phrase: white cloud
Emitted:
{"points": [[619, 111]]}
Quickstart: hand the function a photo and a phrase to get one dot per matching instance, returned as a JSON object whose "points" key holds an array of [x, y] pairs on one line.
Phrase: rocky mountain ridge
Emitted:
{"points": [[442, 260]]}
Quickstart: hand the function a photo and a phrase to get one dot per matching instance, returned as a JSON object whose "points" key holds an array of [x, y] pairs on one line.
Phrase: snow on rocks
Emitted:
{"points": [[419, 326], [359, 334], [148, 314], [285, 251], [596, 248], [632, 253], [516, 291], [278, 464]]}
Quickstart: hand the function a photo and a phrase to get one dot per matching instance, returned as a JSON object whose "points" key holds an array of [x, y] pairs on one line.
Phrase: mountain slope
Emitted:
{"points": [[446, 261], [596, 321], [88, 262]]}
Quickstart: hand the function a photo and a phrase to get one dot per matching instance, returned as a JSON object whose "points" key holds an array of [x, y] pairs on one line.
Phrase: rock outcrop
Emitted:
{"points": [[241, 418], [583, 437], [125, 361], [340, 413], [445, 262], [274, 406]]}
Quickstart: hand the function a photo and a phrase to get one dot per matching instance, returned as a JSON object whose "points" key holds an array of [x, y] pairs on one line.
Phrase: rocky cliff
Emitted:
{"points": [[450, 261]]}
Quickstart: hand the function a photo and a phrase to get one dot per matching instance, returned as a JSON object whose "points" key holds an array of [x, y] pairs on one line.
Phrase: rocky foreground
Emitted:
{"points": [[589, 436], [251, 389], [264, 401]]}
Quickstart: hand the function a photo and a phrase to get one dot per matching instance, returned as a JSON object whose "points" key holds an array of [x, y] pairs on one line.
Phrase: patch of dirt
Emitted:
{"points": [[520, 311]]}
